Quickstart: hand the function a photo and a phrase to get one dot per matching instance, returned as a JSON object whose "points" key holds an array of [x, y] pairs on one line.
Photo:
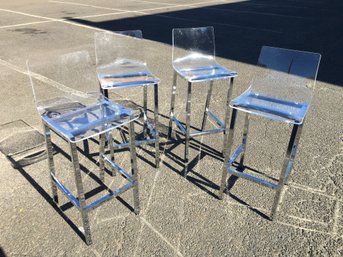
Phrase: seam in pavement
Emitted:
{"points": [[161, 236]]}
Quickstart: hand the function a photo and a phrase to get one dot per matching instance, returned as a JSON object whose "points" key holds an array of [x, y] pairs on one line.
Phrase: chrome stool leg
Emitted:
{"points": [[80, 192], [244, 141], [103, 91], [208, 100], [145, 109], [110, 140], [227, 111], [293, 153], [101, 156], [172, 105], [157, 138], [287, 166], [133, 157], [51, 164], [188, 127], [228, 140]]}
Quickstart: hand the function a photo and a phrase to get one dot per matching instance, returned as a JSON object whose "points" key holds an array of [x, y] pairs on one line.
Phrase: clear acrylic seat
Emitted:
{"points": [[120, 60], [194, 60], [69, 103], [282, 91]]}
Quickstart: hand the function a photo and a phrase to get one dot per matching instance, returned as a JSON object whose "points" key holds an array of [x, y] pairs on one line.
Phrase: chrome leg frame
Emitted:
{"points": [[172, 105], [228, 140], [208, 100], [157, 139], [101, 156], [80, 193], [145, 109], [134, 167], [227, 111], [188, 127], [287, 166], [244, 141], [110, 140], [51, 163], [103, 91]]}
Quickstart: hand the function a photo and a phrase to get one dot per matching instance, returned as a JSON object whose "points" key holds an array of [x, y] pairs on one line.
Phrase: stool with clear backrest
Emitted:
{"points": [[69, 103], [194, 60], [120, 59], [281, 92]]}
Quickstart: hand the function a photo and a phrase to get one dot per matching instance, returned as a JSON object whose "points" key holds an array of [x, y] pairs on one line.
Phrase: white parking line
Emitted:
{"points": [[88, 5], [52, 19], [222, 24], [185, 5], [145, 12], [139, 12], [23, 24], [99, 15], [27, 14], [108, 8]]}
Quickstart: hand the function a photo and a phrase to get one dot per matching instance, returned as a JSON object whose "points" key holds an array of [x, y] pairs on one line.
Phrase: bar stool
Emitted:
{"points": [[282, 92], [121, 64], [67, 99], [194, 61]]}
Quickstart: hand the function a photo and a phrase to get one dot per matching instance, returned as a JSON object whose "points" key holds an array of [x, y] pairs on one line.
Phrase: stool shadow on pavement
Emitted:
{"points": [[2, 253], [23, 145]]}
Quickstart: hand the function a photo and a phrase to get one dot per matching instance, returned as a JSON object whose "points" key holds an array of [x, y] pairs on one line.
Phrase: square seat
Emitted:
{"points": [[81, 122], [270, 107], [197, 67], [206, 73], [125, 73]]}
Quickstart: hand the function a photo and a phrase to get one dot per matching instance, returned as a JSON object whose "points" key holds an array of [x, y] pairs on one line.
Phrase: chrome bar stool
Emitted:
{"points": [[194, 61], [121, 63], [282, 92], [70, 105]]}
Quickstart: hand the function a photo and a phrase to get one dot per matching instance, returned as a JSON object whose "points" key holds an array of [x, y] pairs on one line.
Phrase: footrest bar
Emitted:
{"points": [[219, 122], [179, 125], [109, 196], [205, 132], [137, 143], [252, 178], [235, 155], [151, 130], [118, 168], [66, 191]]}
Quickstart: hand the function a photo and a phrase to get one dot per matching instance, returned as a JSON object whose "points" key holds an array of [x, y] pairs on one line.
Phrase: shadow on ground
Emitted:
{"points": [[242, 28]]}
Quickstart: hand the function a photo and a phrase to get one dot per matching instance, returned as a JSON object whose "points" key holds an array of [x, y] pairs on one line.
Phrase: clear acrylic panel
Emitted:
{"points": [[67, 97], [283, 90], [194, 54], [120, 60]]}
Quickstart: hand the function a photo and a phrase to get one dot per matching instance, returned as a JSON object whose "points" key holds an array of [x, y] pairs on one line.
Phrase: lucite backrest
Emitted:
{"points": [[118, 47], [288, 74], [65, 80], [193, 47]]}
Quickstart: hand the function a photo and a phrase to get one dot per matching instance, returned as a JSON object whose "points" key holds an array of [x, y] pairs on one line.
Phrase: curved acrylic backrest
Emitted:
{"points": [[64, 80], [289, 74], [118, 47], [283, 90], [120, 59], [193, 47]]}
